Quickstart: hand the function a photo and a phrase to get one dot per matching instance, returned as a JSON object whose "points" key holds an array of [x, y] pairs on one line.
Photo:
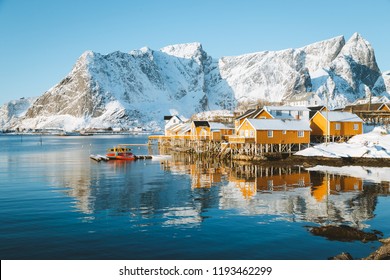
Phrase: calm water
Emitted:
{"points": [[56, 203]]}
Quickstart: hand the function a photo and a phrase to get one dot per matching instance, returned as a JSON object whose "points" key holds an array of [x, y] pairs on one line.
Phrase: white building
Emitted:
{"points": [[288, 112], [306, 99]]}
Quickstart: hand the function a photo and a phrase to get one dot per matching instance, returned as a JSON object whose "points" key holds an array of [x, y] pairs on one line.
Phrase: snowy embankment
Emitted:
{"points": [[373, 174], [375, 144]]}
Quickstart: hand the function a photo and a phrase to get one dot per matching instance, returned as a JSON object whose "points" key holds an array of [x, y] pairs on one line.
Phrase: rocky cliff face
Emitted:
{"points": [[11, 112], [138, 88]]}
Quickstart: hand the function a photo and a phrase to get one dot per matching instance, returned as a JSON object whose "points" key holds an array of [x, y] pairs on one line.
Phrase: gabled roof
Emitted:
{"points": [[333, 116], [251, 113], [363, 107], [315, 109], [279, 124], [201, 123], [185, 127], [167, 118], [384, 105]]}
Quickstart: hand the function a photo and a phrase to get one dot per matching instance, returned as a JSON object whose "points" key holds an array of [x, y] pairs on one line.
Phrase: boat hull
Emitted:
{"points": [[121, 156]]}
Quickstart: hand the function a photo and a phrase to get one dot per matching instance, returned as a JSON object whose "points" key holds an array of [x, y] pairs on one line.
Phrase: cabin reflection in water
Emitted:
{"points": [[292, 192], [251, 179], [324, 184], [203, 174]]}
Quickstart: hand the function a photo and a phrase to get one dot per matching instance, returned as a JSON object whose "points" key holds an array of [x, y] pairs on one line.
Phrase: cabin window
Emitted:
{"points": [[246, 134], [278, 113], [300, 113], [270, 133], [355, 126], [241, 132], [301, 133], [251, 133], [337, 126], [284, 131]]}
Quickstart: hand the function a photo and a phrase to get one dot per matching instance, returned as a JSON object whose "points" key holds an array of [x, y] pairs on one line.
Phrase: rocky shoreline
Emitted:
{"points": [[346, 233], [311, 161], [382, 253]]}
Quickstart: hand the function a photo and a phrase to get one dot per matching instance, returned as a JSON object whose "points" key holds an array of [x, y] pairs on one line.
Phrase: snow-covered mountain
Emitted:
{"points": [[11, 111], [140, 87]]}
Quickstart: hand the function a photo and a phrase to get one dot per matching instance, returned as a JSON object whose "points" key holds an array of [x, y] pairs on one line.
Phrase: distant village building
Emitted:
{"points": [[335, 125], [374, 99], [204, 130], [305, 99]]}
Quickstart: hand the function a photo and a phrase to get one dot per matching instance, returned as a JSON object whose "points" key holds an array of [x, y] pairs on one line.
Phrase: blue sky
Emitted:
{"points": [[40, 40]]}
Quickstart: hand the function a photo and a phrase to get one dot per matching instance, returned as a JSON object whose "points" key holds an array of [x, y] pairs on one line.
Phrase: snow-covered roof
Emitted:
{"points": [[175, 127], [281, 115], [218, 126], [286, 108], [278, 124], [185, 127], [340, 116]]}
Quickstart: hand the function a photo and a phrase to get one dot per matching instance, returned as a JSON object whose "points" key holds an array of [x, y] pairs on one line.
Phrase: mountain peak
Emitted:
{"points": [[361, 51], [188, 50]]}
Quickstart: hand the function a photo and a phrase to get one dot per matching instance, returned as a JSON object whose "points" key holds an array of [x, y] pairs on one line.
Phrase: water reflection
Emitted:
{"points": [[288, 193], [158, 193]]}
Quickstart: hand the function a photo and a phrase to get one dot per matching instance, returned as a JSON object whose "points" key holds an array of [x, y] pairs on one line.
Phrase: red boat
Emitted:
{"points": [[121, 152]]}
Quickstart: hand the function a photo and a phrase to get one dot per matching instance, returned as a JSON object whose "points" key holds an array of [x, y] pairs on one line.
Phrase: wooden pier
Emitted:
{"points": [[219, 149]]}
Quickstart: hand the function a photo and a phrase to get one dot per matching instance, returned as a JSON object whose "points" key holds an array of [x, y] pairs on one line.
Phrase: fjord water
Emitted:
{"points": [[56, 203]]}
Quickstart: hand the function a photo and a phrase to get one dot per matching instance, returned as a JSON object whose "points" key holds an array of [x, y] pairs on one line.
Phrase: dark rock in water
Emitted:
{"points": [[343, 233], [342, 256]]}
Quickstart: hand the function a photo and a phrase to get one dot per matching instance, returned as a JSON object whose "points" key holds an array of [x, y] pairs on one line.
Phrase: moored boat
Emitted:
{"points": [[121, 152]]}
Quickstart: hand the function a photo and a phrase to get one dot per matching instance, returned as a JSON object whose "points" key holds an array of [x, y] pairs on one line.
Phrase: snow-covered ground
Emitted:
{"points": [[375, 144]]}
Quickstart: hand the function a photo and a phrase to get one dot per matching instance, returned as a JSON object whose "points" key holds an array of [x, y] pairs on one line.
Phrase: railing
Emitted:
{"points": [[241, 139]]}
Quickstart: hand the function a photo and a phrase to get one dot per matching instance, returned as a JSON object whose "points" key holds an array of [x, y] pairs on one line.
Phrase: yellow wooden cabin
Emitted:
{"points": [[335, 124], [272, 131], [200, 130], [204, 130], [274, 112]]}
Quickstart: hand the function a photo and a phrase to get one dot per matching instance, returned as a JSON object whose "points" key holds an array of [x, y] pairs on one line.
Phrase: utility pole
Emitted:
{"points": [[327, 120]]}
